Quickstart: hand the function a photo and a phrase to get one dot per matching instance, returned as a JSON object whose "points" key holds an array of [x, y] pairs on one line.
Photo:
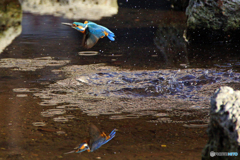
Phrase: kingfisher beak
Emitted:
{"points": [[67, 24]]}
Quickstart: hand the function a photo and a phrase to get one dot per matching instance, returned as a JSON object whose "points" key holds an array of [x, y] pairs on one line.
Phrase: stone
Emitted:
{"points": [[72, 9], [223, 129], [10, 22], [213, 20]]}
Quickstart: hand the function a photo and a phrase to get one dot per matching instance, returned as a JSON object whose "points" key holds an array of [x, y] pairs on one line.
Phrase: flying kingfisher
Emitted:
{"points": [[91, 32], [96, 140]]}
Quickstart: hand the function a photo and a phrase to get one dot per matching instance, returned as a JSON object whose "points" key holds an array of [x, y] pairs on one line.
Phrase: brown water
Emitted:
{"points": [[149, 84]]}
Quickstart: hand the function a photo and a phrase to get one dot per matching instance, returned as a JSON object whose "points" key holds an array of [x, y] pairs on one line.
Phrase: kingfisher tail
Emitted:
{"points": [[111, 36]]}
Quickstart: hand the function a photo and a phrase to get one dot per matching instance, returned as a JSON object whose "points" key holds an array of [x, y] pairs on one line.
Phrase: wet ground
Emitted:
{"points": [[149, 84]]}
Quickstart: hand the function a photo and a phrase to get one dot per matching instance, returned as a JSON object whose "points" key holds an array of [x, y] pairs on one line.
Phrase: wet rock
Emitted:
{"points": [[25, 90], [72, 9], [52, 112], [223, 129], [60, 119], [61, 132], [108, 90], [161, 115], [44, 129], [68, 107], [162, 120], [93, 114], [38, 124], [21, 95], [210, 21], [83, 79], [195, 125], [131, 116], [30, 64], [10, 22]]}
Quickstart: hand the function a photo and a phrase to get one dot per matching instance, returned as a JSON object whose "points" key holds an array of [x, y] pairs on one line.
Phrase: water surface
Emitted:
{"points": [[149, 84]]}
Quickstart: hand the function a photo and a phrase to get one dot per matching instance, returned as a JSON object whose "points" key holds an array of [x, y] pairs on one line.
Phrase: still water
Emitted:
{"points": [[149, 84]]}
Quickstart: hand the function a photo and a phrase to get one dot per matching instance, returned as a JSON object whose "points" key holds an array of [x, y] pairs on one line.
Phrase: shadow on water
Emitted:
{"points": [[149, 84]]}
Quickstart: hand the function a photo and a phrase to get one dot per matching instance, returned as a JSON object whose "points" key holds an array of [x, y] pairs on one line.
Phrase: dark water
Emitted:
{"points": [[149, 83]]}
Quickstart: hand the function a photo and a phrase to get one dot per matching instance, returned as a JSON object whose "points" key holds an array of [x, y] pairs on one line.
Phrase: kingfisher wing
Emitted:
{"points": [[102, 140], [93, 32], [95, 137], [100, 31], [94, 132], [108, 33], [89, 39], [97, 144], [110, 137]]}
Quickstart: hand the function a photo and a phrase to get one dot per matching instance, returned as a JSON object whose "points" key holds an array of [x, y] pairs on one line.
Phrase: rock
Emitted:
{"points": [[213, 20], [10, 22], [72, 9], [223, 129]]}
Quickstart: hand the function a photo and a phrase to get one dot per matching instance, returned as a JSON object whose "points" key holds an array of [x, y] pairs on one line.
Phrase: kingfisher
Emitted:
{"points": [[95, 141], [91, 32]]}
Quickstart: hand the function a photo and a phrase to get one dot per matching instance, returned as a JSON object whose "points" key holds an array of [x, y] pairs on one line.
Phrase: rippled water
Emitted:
{"points": [[149, 84], [183, 83]]}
